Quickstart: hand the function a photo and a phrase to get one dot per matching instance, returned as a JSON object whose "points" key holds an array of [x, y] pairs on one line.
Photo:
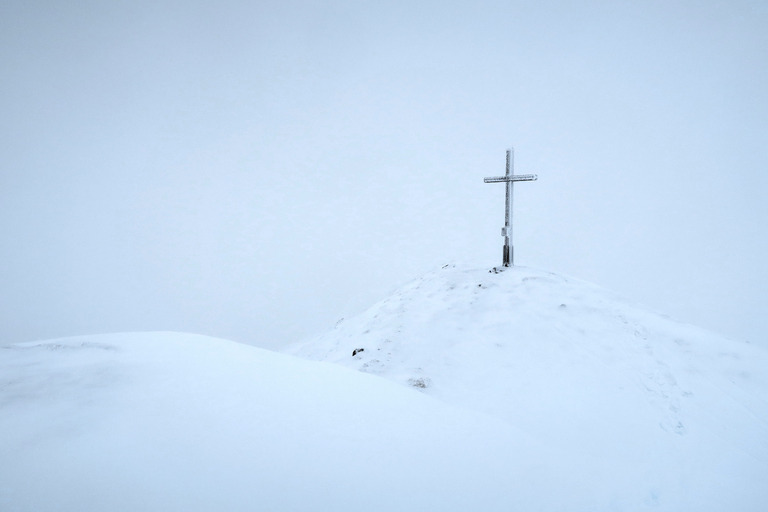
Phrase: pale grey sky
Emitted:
{"points": [[257, 170]]}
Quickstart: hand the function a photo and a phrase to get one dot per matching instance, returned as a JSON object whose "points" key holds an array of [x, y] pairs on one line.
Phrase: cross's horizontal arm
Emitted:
{"points": [[519, 177]]}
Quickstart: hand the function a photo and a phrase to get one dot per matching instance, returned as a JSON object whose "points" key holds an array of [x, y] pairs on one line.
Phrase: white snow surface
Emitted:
{"points": [[168, 421], [636, 410], [516, 391]]}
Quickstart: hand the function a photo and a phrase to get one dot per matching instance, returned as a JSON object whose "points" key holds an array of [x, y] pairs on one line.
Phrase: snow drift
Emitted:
{"points": [[167, 421], [513, 391], [638, 410]]}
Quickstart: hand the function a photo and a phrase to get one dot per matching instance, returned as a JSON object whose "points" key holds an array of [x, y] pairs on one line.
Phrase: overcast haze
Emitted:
{"points": [[258, 170]]}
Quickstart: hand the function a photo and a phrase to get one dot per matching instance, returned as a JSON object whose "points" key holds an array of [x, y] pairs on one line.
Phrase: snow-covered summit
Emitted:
{"points": [[518, 390], [646, 403]]}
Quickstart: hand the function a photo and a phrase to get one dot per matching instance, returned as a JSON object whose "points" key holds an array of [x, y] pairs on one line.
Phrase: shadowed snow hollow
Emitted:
{"points": [[641, 410]]}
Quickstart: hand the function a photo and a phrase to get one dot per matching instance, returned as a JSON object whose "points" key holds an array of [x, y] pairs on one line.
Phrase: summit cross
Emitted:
{"points": [[509, 178]]}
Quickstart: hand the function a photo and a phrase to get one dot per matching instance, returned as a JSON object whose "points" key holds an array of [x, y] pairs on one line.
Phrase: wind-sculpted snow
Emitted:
{"points": [[175, 422], [642, 411], [514, 391]]}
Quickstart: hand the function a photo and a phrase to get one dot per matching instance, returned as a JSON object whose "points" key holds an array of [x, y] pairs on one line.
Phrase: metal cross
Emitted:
{"points": [[509, 179]]}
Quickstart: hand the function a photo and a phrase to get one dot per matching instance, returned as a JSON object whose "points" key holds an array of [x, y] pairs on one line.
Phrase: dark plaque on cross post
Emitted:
{"points": [[509, 178]]}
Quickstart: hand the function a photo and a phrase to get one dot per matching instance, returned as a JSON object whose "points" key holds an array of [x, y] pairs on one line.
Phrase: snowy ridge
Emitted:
{"points": [[180, 422], [520, 390], [652, 407]]}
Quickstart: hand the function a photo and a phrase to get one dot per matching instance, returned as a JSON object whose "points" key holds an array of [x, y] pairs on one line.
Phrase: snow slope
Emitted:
{"points": [[515, 391], [638, 411], [177, 422]]}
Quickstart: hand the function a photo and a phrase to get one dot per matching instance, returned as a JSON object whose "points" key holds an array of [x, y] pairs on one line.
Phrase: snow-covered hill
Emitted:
{"points": [[514, 391], [639, 410], [176, 422]]}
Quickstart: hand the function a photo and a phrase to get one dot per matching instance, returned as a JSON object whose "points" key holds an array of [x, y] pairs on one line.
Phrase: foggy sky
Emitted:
{"points": [[258, 170]]}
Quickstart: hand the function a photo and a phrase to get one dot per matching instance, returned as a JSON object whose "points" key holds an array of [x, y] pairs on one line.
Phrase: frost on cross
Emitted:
{"points": [[509, 178]]}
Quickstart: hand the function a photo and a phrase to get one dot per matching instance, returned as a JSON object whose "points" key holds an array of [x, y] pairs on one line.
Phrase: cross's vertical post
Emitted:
{"points": [[509, 255], [509, 178]]}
